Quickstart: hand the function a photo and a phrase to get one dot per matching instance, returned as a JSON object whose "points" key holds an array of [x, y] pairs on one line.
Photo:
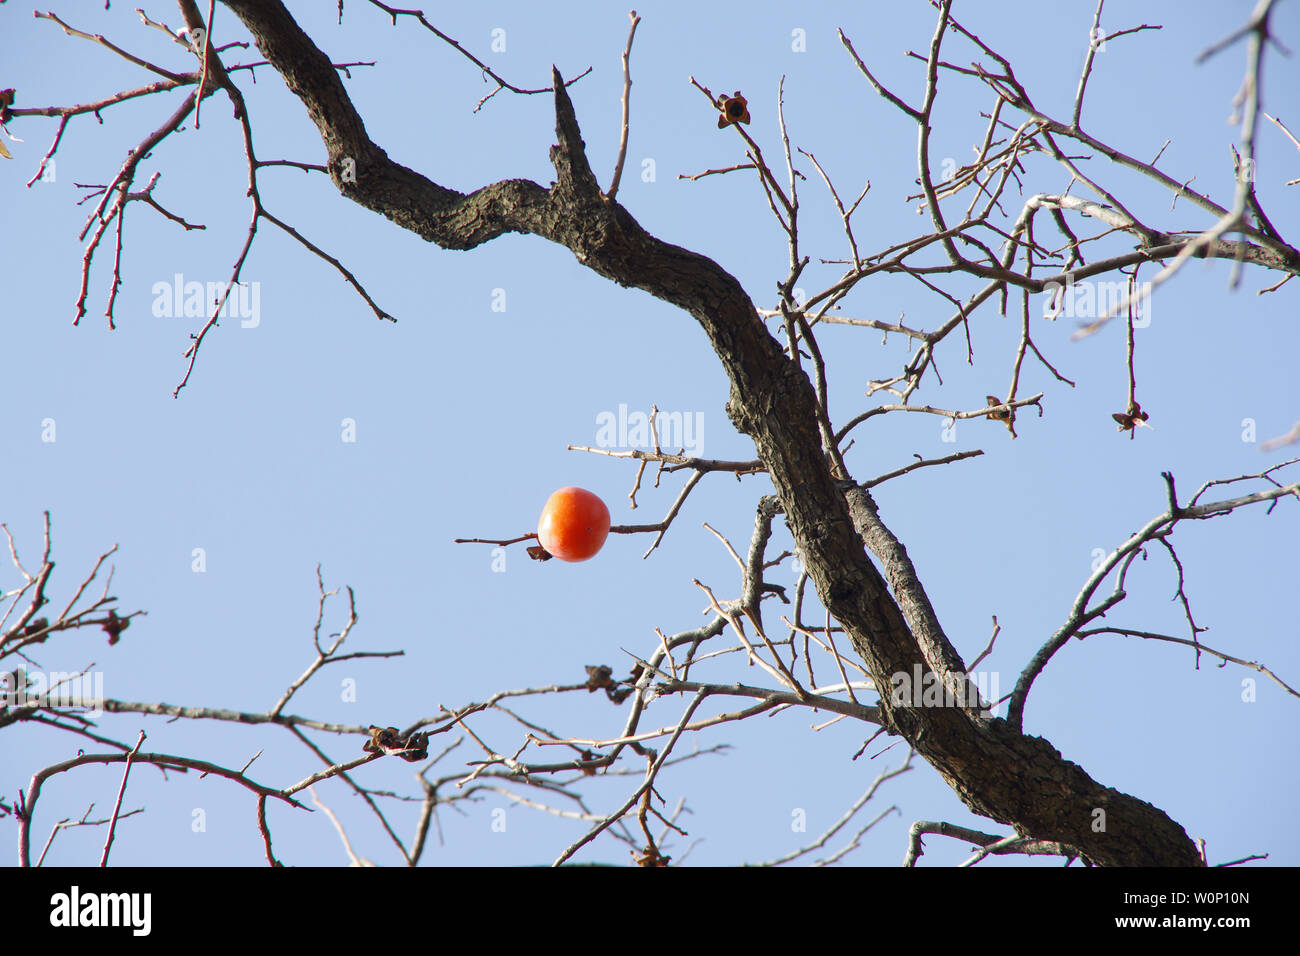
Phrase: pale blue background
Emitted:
{"points": [[463, 415]]}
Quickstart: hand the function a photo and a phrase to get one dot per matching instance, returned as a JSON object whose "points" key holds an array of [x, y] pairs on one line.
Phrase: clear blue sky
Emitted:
{"points": [[463, 415]]}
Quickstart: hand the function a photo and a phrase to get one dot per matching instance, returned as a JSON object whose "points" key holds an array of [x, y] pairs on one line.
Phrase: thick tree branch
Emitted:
{"points": [[1014, 779]]}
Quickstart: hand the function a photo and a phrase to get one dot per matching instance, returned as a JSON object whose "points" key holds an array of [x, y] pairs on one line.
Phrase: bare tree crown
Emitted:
{"points": [[853, 634]]}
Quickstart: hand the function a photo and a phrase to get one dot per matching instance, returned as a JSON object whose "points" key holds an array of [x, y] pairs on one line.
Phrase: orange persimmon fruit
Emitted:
{"points": [[574, 524]]}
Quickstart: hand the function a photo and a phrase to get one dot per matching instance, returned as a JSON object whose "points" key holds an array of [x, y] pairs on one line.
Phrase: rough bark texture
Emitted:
{"points": [[1012, 778]]}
